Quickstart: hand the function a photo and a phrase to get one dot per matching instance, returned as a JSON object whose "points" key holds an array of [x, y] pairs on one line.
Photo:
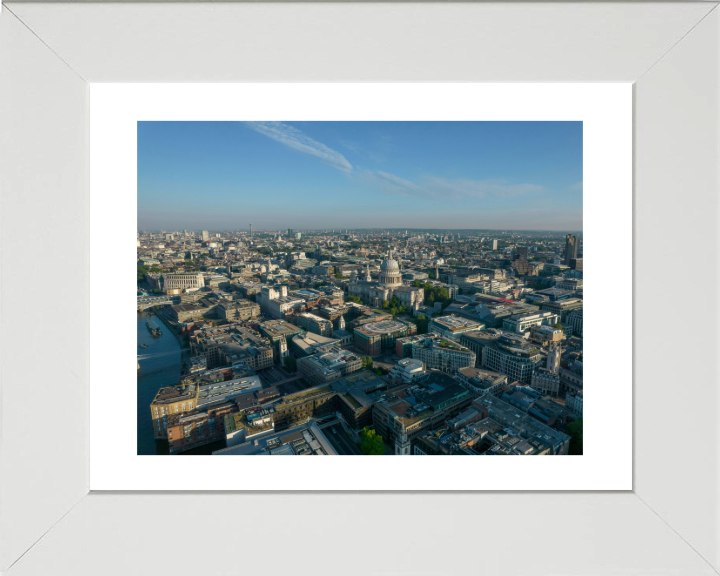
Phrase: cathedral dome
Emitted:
{"points": [[389, 265]]}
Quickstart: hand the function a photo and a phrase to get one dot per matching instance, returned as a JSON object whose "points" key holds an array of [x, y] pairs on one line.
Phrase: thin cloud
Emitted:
{"points": [[577, 187], [297, 140], [350, 145], [430, 187], [390, 184], [442, 188]]}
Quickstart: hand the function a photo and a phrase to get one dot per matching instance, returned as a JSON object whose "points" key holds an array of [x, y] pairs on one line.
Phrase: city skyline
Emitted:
{"points": [[360, 175]]}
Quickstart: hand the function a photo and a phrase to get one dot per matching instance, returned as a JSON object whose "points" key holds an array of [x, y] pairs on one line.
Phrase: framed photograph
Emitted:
{"points": [[237, 393], [358, 235]]}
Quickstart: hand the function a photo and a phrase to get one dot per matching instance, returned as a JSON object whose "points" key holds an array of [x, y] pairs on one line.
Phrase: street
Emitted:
{"points": [[342, 443]]}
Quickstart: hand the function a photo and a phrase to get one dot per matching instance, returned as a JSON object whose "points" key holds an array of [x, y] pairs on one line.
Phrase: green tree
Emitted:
{"points": [[290, 364], [386, 304], [416, 284], [355, 299], [394, 311], [575, 431], [559, 327], [367, 362], [371, 444], [422, 323], [141, 271], [338, 275], [395, 303]]}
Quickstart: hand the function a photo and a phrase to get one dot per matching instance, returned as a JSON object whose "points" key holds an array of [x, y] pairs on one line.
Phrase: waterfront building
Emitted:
{"points": [[228, 345]]}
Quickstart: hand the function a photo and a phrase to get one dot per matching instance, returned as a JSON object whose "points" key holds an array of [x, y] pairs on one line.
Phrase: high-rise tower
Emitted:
{"points": [[570, 248]]}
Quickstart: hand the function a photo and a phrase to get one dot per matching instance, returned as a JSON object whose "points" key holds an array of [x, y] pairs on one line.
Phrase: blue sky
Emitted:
{"points": [[317, 175]]}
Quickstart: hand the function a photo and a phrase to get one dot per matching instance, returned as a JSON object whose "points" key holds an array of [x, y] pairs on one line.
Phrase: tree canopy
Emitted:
{"points": [[355, 299], [371, 443], [575, 431]]}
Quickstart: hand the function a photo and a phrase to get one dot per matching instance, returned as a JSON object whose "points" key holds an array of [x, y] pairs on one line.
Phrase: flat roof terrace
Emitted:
{"points": [[382, 327]]}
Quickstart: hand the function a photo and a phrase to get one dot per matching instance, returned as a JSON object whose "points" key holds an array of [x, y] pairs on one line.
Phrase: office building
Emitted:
{"points": [[231, 344], [409, 411], [512, 355], [327, 366], [315, 324], [303, 440], [237, 310], [452, 326], [574, 402], [205, 236], [195, 429], [574, 321], [376, 337], [570, 249], [280, 333], [522, 322], [522, 426], [480, 381], [406, 370], [436, 352]]}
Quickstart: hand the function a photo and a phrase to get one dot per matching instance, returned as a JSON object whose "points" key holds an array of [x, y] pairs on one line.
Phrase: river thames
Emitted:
{"points": [[159, 366]]}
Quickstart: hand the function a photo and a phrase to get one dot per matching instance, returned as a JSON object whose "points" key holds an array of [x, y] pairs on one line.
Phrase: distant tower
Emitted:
{"points": [[437, 271], [553, 359], [250, 230], [494, 244], [341, 323], [570, 249], [282, 344]]}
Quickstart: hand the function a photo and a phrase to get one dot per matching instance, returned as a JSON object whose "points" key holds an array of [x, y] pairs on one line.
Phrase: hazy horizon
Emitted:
{"points": [[512, 176]]}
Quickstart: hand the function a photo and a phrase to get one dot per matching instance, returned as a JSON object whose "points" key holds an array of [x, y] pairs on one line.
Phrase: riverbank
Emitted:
{"points": [[173, 329]]}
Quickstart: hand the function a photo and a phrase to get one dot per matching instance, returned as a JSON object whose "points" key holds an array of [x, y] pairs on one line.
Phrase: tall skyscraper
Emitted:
{"points": [[522, 252], [570, 248], [205, 236], [494, 244], [291, 232], [251, 230]]}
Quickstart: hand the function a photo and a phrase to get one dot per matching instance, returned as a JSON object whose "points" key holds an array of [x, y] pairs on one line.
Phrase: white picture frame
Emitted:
{"points": [[49, 523]]}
